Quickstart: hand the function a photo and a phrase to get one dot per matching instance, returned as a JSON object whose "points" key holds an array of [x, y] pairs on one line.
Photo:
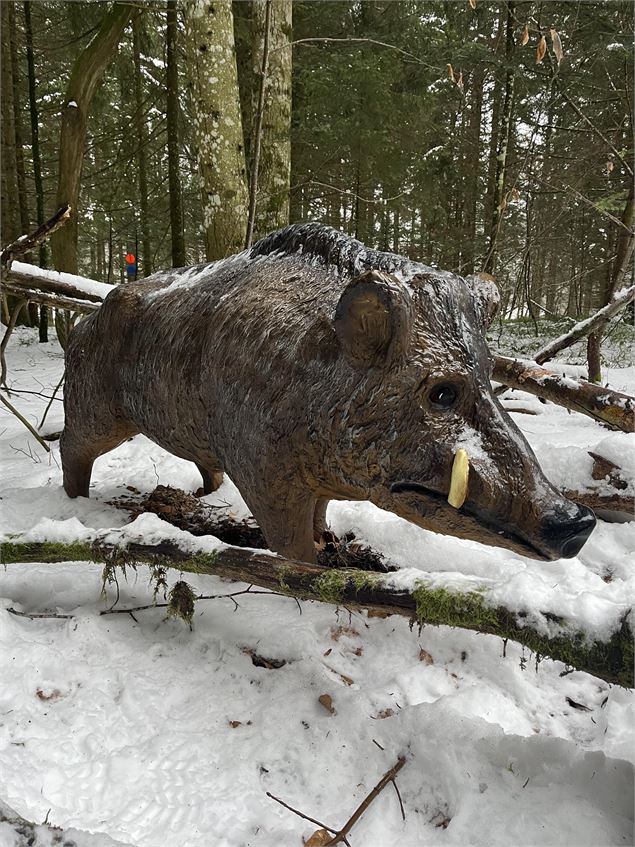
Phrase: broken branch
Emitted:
{"points": [[26, 243], [604, 405]]}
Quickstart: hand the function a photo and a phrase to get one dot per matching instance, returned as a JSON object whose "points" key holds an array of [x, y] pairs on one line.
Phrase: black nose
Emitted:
{"points": [[567, 535]]}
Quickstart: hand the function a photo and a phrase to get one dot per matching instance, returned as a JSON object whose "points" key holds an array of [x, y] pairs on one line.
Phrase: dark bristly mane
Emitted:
{"points": [[315, 240]]}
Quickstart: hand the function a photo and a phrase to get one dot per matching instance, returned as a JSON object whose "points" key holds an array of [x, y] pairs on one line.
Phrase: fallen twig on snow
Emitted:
{"points": [[339, 836], [24, 421], [610, 660]]}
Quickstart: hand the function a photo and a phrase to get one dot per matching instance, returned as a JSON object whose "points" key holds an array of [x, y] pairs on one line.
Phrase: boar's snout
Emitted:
{"points": [[566, 537]]}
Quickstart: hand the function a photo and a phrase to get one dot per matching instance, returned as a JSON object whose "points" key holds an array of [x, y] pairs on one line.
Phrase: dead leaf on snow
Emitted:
{"points": [[425, 657], [319, 838], [327, 701]]}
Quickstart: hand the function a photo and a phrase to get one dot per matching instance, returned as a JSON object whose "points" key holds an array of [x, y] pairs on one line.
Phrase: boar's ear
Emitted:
{"points": [[373, 319], [486, 296]]}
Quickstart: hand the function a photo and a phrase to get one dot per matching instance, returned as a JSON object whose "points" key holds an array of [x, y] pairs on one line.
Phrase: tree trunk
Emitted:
{"points": [[498, 205], [9, 205], [624, 254], [35, 152], [472, 162], [25, 223], [85, 76], [272, 210], [142, 141], [174, 177], [218, 126], [610, 660]]}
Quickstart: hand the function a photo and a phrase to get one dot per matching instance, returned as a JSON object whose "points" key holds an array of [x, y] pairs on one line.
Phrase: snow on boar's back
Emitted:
{"points": [[311, 368]]}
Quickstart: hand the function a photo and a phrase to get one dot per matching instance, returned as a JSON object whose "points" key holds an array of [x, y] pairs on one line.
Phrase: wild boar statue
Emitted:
{"points": [[311, 368]]}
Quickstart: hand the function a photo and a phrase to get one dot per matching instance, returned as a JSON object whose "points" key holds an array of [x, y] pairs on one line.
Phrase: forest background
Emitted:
{"points": [[475, 136]]}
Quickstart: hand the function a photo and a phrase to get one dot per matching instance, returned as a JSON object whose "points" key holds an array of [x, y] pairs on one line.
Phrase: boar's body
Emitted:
{"points": [[310, 368]]}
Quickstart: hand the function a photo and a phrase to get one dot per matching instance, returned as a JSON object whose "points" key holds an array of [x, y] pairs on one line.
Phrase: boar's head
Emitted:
{"points": [[421, 418]]}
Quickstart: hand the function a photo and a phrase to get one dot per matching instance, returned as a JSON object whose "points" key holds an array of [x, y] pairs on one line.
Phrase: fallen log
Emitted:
{"points": [[64, 291], [423, 603], [609, 407]]}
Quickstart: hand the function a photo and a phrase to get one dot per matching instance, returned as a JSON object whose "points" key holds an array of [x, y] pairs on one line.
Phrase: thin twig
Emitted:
{"points": [[23, 420], [15, 313], [359, 811], [396, 787], [374, 41], [127, 611], [37, 615], [50, 403], [301, 814]]}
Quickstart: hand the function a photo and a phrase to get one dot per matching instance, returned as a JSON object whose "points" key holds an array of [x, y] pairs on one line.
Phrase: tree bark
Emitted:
{"points": [[498, 205], [35, 153], [624, 254], [604, 405], [218, 125], [85, 76], [274, 175], [609, 660], [172, 114], [9, 205], [142, 141]]}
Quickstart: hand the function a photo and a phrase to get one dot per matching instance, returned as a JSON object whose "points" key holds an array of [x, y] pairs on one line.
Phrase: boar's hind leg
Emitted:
{"points": [[212, 479]]}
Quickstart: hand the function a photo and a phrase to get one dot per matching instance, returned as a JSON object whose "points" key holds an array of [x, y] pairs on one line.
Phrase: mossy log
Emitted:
{"points": [[611, 408], [611, 661]]}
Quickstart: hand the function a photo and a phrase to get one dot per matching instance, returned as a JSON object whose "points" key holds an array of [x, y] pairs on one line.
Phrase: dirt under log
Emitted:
{"points": [[610, 660]]}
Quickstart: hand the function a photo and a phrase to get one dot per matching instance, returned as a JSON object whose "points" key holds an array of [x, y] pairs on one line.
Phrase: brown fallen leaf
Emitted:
{"points": [[525, 37], [234, 724], [425, 657], [319, 838], [338, 631], [55, 694], [385, 713], [327, 701]]}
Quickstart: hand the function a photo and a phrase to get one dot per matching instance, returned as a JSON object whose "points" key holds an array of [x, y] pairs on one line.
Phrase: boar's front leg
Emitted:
{"points": [[319, 517], [81, 443], [288, 525]]}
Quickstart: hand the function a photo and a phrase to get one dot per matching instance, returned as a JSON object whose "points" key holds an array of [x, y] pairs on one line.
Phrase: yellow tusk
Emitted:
{"points": [[458, 482]]}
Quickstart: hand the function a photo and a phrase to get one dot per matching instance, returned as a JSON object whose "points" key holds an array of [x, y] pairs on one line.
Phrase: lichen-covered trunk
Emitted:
{"points": [[272, 208], [217, 124]]}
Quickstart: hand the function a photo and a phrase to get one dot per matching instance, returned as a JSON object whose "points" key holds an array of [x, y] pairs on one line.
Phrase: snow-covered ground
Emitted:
{"points": [[154, 735]]}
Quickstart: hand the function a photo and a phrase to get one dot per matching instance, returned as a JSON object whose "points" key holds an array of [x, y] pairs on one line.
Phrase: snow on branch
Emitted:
{"points": [[606, 652]]}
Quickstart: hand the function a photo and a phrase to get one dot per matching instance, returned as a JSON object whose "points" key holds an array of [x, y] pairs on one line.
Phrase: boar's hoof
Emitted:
{"points": [[568, 537]]}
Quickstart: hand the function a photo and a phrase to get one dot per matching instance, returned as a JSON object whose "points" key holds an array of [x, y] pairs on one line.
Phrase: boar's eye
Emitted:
{"points": [[444, 396]]}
